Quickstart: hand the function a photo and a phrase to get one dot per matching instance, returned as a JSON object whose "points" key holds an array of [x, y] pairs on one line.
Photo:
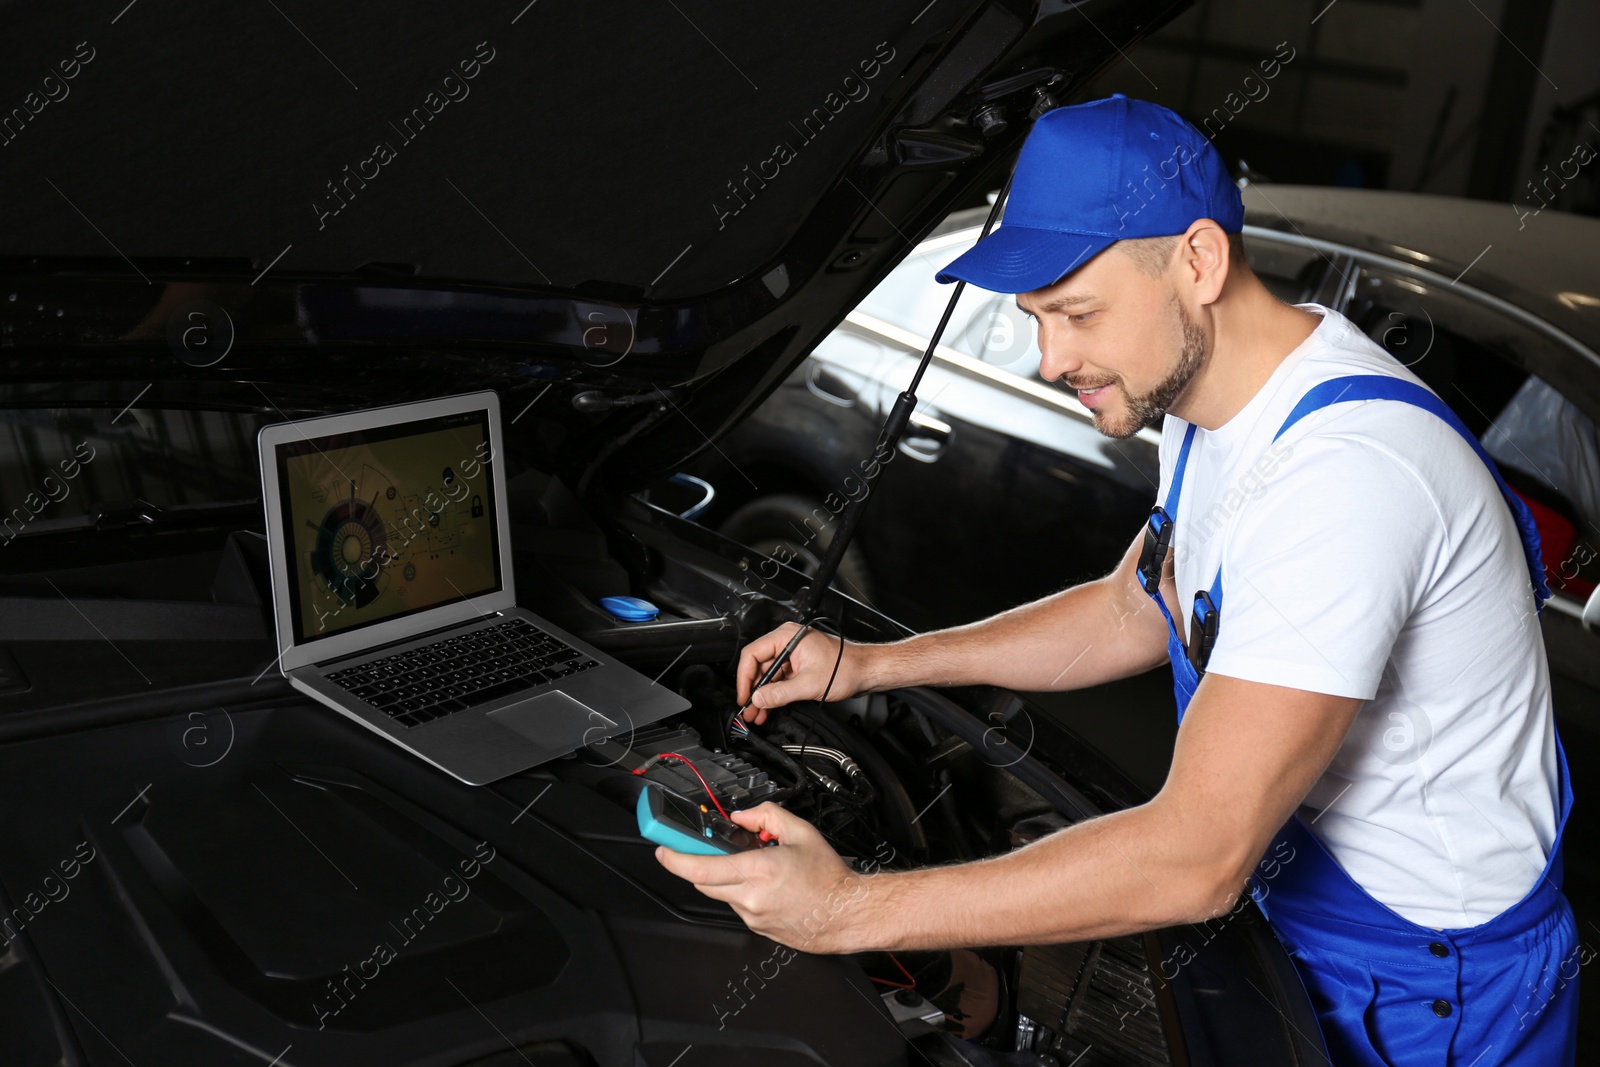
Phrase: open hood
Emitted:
{"points": [[655, 207]]}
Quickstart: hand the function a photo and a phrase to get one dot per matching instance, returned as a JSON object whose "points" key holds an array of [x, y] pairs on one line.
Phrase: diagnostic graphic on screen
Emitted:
{"points": [[384, 523]]}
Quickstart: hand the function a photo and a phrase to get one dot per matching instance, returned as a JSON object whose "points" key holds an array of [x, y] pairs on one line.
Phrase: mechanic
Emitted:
{"points": [[1373, 693]]}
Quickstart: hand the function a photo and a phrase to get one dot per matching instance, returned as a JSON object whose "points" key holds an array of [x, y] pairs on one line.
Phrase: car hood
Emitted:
{"points": [[632, 219]]}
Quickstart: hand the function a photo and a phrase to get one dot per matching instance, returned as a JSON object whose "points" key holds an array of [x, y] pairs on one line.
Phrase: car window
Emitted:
{"points": [[1468, 352], [990, 327], [1288, 269], [986, 326], [1543, 432]]}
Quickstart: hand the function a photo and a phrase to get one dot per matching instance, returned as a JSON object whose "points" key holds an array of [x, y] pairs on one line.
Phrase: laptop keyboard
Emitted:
{"points": [[432, 681]]}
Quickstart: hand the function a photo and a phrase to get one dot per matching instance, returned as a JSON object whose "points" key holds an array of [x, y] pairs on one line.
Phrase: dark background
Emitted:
{"points": [[1455, 97]]}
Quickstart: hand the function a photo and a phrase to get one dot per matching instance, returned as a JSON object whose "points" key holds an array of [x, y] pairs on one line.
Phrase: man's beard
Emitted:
{"points": [[1146, 409]]}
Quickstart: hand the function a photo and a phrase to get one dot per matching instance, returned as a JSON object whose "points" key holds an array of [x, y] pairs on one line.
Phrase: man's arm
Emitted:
{"points": [[1246, 754], [1096, 632]]}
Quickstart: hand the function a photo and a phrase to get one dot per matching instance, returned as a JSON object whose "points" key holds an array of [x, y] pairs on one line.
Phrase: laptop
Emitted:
{"points": [[394, 599]]}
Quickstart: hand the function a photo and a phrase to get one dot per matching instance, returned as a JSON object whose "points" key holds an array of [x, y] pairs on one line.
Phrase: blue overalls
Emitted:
{"points": [[1388, 991]]}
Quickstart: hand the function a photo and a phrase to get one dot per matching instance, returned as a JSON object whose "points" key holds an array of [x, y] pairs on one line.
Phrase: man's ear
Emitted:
{"points": [[1203, 255]]}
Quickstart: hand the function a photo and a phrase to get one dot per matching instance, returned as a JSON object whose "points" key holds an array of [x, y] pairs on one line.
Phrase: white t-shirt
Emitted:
{"points": [[1369, 553]]}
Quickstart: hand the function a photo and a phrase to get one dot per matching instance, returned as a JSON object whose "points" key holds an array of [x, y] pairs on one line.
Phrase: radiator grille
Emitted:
{"points": [[1097, 994]]}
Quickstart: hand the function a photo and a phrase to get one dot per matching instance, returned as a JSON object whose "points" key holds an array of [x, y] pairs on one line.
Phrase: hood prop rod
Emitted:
{"points": [[810, 600]]}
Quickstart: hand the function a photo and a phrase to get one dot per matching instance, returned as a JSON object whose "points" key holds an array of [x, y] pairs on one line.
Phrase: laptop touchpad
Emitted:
{"points": [[549, 718]]}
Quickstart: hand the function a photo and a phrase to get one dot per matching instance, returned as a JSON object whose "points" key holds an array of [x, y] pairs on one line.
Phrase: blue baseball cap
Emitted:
{"points": [[1093, 174]]}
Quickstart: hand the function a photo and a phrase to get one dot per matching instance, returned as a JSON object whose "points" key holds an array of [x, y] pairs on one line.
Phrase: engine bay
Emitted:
{"points": [[255, 876]]}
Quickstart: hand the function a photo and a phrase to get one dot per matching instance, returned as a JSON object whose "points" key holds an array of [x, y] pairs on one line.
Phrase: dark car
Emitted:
{"points": [[1002, 492], [633, 223]]}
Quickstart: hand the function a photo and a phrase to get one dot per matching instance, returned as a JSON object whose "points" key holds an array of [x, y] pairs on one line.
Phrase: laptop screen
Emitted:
{"points": [[386, 522]]}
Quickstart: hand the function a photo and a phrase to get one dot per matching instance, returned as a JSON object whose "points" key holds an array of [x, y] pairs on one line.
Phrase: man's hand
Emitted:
{"points": [[1246, 755], [805, 675], [799, 894]]}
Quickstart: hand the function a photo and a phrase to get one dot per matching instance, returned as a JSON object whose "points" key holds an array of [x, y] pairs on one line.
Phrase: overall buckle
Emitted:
{"points": [[1157, 542], [1202, 631]]}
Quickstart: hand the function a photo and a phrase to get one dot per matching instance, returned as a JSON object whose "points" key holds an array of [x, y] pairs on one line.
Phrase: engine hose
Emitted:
{"points": [[846, 764], [898, 806], [860, 790], [1024, 768]]}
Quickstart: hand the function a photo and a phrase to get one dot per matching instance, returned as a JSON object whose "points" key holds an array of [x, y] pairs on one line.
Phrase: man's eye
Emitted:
{"points": [[1083, 316]]}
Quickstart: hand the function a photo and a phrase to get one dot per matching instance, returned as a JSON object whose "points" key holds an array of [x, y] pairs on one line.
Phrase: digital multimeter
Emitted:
{"points": [[675, 824]]}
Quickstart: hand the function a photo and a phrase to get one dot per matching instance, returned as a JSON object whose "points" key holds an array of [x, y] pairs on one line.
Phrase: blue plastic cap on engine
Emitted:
{"points": [[629, 608]]}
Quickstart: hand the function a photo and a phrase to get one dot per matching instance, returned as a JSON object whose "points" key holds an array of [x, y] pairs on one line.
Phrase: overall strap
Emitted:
{"points": [[1158, 532], [1387, 387], [1176, 488], [1208, 605]]}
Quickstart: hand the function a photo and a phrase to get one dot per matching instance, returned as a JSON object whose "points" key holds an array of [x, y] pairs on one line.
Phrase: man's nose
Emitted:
{"points": [[1056, 355]]}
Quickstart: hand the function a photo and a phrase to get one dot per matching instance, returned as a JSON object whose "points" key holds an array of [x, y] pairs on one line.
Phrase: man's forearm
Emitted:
{"points": [[1073, 639], [1111, 876]]}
